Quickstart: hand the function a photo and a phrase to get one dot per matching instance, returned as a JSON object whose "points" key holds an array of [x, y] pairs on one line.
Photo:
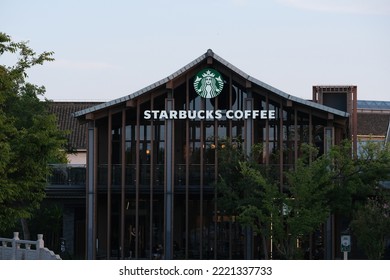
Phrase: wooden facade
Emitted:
{"points": [[150, 181]]}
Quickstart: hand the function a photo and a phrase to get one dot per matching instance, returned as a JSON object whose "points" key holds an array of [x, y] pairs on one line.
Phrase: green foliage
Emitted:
{"points": [[229, 186], [370, 213], [29, 137], [356, 179], [261, 203], [48, 221], [306, 207], [334, 183], [245, 191], [371, 226]]}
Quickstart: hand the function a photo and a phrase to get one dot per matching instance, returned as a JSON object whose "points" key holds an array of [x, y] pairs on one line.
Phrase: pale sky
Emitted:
{"points": [[108, 49]]}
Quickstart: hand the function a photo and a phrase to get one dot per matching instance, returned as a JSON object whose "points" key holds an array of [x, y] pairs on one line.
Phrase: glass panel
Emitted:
{"points": [[288, 137], [194, 230], [180, 141], [208, 231], [115, 226], [159, 175], [147, 231], [274, 129], [223, 130], [130, 175], [180, 175], [159, 153], [209, 174], [116, 171], [195, 101], [238, 130], [116, 138], [145, 155], [194, 151], [194, 174], [230, 241], [303, 131], [210, 144], [102, 174], [130, 145]]}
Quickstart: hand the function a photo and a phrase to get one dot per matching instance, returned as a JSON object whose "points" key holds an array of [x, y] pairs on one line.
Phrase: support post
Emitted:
{"points": [[168, 194], [91, 193], [248, 149]]}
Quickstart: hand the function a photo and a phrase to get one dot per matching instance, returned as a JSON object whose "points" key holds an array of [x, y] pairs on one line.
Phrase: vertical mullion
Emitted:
{"points": [[123, 170], [109, 166]]}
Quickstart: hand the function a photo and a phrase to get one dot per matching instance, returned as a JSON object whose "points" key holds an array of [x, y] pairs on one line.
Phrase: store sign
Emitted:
{"points": [[208, 83], [209, 114]]}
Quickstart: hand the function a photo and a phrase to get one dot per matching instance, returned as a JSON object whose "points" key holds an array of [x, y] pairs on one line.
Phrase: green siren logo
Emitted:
{"points": [[208, 83]]}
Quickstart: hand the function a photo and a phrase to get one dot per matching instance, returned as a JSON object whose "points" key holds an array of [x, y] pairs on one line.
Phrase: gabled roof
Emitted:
{"points": [[210, 53], [64, 112]]}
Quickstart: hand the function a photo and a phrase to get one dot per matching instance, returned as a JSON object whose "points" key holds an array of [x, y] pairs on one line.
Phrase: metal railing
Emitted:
{"points": [[67, 174], [75, 174]]}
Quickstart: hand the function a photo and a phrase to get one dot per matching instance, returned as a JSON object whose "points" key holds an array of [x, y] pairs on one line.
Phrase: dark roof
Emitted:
{"points": [[203, 57], [373, 105], [372, 123], [373, 117], [64, 112]]}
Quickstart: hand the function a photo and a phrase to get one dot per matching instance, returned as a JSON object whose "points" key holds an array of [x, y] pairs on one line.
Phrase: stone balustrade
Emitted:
{"points": [[17, 249]]}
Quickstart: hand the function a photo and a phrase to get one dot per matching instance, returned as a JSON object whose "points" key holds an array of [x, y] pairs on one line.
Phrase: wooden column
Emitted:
{"points": [[169, 182], [91, 193]]}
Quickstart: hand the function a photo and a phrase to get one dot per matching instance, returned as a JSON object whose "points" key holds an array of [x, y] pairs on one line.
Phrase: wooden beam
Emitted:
{"points": [[169, 84], [90, 116], [131, 103]]}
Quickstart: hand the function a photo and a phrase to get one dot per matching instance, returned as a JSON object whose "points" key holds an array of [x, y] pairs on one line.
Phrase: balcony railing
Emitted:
{"points": [[75, 174], [67, 174]]}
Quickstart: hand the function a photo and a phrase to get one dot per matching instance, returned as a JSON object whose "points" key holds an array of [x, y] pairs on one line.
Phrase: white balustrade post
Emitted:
{"points": [[15, 245], [40, 245]]}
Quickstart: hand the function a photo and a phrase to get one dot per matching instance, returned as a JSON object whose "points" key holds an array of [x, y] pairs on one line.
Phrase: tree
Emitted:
{"points": [[306, 207], [371, 226], [262, 206], [355, 180], [371, 213], [248, 189], [29, 136], [349, 188], [47, 220], [245, 191], [344, 186], [318, 186]]}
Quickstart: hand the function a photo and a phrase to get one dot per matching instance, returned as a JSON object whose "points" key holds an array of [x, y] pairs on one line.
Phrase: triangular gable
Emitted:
{"points": [[199, 60]]}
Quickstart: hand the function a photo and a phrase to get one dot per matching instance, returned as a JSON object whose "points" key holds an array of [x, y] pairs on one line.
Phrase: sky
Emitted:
{"points": [[105, 50]]}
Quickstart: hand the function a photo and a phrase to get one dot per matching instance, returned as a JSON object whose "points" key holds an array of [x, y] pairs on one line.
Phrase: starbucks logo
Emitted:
{"points": [[208, 83]]}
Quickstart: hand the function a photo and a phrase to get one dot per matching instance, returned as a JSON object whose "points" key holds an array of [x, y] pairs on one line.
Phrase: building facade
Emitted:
{"points": [[152, 160], [373, 121], [66, 185]]}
